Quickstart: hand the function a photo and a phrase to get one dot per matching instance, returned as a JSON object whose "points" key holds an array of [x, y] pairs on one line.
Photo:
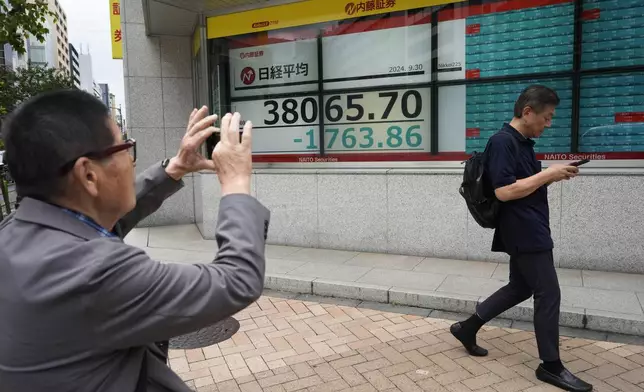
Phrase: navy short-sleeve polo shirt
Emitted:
{"points": [[524, 224]]}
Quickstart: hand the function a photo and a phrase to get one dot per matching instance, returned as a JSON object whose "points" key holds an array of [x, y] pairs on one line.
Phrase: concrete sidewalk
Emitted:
{"points": [[598, 301]]}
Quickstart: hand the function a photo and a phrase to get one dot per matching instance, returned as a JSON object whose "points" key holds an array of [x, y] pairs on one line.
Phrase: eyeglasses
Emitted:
{"points": [[129, 144]]}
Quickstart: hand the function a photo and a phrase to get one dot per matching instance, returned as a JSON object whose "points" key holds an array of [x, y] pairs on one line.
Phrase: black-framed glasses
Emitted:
{"points": [[129, 144]]}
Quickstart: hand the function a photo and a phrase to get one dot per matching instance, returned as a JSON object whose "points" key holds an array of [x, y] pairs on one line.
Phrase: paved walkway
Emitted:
{"points": [[597, 301], [287, 344]]}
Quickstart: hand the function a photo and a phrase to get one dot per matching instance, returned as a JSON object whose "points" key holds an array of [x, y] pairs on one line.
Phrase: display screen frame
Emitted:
{"points": [[433, 155]]}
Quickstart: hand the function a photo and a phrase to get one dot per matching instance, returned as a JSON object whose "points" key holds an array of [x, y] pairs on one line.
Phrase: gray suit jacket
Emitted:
{"points": [[78, 312]]}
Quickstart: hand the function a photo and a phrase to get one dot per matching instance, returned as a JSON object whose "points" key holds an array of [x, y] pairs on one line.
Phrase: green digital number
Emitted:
{"points": [[311, 135], [334, 134], [413, 139], [368, 137], [348, 140], [394, 136]]}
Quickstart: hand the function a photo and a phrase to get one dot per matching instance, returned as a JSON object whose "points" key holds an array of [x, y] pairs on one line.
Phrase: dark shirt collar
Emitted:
{"points": [[509, 129]]}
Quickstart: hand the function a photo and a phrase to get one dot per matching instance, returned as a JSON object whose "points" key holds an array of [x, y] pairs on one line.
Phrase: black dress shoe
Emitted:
{"points": [[468, 342], [564, 380]]}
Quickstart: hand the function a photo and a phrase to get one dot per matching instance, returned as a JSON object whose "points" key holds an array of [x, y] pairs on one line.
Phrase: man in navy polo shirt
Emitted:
{"points": [[523, 232]]}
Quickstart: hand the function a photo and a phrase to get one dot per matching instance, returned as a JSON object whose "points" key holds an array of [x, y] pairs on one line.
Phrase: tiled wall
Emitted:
{"points": [[158, 89], [596, 220]]}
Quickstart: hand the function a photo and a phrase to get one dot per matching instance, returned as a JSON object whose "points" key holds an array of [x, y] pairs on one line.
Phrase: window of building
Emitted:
{"points": [[435, 83], [3, 60], [37, 55]]}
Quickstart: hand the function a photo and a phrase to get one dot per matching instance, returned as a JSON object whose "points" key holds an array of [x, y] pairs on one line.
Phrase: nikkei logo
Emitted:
{"points": [[248, 76], [367, 6]]}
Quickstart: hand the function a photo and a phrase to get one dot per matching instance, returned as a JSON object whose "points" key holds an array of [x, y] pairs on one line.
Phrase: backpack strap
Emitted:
{"points": [[515, 142], [516, 147]]}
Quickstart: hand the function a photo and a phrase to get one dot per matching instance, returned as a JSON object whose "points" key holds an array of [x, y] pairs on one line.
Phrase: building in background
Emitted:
{"points": [[35, 52], [120, 121], [59, 36], [116, 112], [109, 99], [54, 51], [74, 65], [112, 105], [85, 71], [87, 82], [9, 57], [41, 53], [105, 94], [96, 90]]}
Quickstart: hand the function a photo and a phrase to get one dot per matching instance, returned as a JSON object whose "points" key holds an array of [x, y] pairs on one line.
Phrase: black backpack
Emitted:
{"points": [[477, 190]]}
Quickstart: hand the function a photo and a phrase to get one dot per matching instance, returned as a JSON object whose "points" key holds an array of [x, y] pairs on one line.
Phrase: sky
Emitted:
{"points": [[88, 24]]}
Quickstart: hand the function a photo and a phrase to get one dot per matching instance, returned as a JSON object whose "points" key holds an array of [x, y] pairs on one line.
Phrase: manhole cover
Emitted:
{"points": [[205, 337]]}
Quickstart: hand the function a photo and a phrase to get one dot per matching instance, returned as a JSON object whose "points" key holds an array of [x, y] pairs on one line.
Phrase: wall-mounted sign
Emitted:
{"points": [[306, 13], [115, 29]]}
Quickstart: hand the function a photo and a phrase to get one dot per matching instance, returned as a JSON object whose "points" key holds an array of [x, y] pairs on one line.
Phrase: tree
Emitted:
{"points": [[22, 18], [24, 83]]}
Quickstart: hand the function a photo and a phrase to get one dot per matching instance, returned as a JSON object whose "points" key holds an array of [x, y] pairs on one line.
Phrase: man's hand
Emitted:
{"points": [[232, 158], [188, 158], [526, 186], [561, 172]]}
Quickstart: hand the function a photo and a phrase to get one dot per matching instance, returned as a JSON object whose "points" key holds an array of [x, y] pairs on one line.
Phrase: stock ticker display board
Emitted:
{"points": [[612, 106], [379, 120], [276, 77], [522, 41]]}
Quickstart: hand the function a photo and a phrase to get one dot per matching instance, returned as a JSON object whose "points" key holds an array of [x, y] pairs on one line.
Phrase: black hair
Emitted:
{"points": [[537, 97], [48, 132]]}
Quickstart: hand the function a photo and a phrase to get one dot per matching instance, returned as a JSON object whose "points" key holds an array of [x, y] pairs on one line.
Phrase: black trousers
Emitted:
{"points": [[531, 274]]}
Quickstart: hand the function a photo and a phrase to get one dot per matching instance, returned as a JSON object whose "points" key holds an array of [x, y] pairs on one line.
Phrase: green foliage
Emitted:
{"points": [[24, 83], [21, 18]]}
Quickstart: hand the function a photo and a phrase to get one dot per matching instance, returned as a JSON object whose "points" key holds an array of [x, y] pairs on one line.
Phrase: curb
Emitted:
{"points": [[589, 319]]}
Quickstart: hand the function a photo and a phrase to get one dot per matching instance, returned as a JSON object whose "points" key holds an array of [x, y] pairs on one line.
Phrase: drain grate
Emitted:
{"points": [[205, 337]]}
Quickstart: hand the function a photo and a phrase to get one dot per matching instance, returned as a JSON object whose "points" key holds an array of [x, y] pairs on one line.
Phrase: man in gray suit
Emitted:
{"points": [[81, 309]]}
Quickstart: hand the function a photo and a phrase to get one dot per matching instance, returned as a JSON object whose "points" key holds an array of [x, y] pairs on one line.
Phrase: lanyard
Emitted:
{"points": [[90, 222]]}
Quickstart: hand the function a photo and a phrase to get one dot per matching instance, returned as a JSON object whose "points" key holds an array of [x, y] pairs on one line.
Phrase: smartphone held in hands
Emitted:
{"points": [[579, 163]]}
